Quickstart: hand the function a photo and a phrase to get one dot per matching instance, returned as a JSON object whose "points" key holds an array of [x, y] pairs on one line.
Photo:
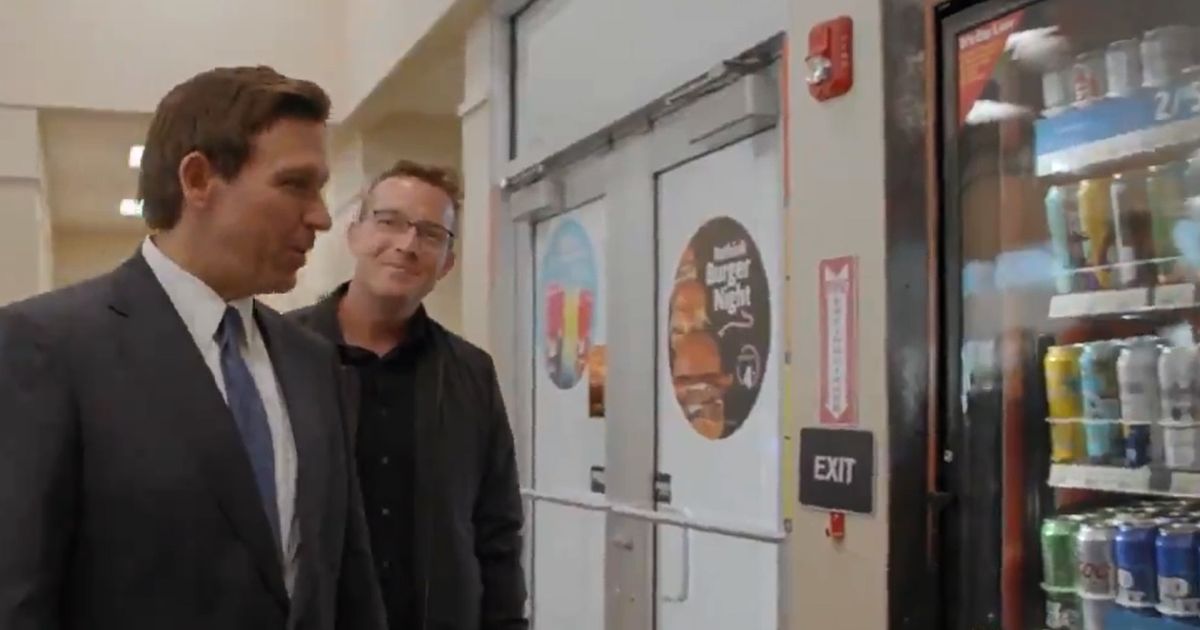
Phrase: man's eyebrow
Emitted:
{"points": [[308, 172]]}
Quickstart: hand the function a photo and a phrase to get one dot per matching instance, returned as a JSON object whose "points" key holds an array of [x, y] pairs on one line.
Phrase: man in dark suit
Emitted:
{"points": [[172, 452]]}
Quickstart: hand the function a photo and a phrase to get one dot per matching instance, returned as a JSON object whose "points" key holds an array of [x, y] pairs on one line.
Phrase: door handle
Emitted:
{"points": [[685, 584]]}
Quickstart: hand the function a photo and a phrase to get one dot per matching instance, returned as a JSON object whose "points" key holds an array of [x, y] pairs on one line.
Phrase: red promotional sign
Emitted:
{"points": [[979, 50], [838, 278]]}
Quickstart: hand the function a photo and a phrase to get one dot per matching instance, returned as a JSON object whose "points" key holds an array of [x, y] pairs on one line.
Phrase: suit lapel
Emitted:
{"points": [[297, 374], [181, 390]]}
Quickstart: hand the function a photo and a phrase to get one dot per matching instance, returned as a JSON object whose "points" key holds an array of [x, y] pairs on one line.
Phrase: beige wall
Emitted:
{"points": [[24, 218], [123, 55], [83, 254], [379, 34], [97, 55], [838, 162]]}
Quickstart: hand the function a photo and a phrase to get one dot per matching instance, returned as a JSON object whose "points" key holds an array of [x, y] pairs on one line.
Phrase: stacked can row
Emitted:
{"points": [[1144, 558], [1131, 402], [1122, 231], [1162, 57]]}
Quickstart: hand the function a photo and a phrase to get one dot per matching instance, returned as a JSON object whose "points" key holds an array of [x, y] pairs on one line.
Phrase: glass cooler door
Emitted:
{"points": [[1070, 227]]}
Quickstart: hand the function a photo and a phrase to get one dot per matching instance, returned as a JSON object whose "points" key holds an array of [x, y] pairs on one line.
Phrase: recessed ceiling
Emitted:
{"points": [[87, 167]]}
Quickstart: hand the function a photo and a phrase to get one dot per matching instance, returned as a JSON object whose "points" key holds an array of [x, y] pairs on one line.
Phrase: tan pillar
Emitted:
{"points": [[478, 147], [26, 254]]}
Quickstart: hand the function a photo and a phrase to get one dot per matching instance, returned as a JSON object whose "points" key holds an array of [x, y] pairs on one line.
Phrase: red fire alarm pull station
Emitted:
{"points": [[830, 59]]}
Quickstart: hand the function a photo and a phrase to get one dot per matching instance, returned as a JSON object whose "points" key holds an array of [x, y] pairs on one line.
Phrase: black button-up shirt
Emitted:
{"points": [[386, 452]]}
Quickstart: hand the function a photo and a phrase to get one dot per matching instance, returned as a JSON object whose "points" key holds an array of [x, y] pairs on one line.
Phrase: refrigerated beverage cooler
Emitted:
{"points": [[1069, 224]]}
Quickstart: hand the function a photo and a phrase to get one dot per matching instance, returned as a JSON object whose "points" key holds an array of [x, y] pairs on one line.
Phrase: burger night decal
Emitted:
{"points": [[719, 328]]}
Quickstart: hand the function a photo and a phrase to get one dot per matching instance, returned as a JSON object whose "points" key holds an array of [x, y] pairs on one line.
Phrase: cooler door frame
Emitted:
{"points": [[914, 347], [1003, 593]]}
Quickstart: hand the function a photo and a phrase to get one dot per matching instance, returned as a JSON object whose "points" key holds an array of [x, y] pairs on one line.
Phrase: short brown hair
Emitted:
{"points": [[440, 177], [217, 113]]}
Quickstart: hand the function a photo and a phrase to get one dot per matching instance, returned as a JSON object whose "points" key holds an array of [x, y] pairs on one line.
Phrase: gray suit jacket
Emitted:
{"points": [[126, 497]]}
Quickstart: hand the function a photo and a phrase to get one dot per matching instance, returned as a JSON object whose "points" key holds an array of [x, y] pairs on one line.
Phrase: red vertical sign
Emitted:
{"points": [[979, 51], [838, 279]]}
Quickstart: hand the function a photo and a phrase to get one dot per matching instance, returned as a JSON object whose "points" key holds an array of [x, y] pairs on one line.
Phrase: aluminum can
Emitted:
{"points": [[1137, 374], [1094, 612], [1057, 92], [1138, 444], [1141, 408], [1191, 186], [1165, 186], [1066, 235], [1101, 392], [1063, 611], [1178, 574], [1065, 403], [1134, 551], [1097, 573], [1099, 238], [1089, 76], [1166, 52], [1191, 175], [1133, 222], [1124, 63], [1177, 378], [1059, 563], [1181, 449]]}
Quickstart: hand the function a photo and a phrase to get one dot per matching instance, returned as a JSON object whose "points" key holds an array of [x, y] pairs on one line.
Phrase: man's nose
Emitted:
{"points": [[406, 239], [318, 217]]}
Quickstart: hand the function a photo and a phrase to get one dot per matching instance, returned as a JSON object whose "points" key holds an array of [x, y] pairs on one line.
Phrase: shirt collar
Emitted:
{"points": [[325, 321], [197, 304]]}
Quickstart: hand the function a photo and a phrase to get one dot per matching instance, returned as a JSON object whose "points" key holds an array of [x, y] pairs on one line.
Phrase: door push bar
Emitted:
{"points": [[676, 517]]}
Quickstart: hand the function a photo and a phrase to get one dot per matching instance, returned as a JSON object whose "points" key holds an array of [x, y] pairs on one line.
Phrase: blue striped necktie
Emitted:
{"points": [[248, 412]]}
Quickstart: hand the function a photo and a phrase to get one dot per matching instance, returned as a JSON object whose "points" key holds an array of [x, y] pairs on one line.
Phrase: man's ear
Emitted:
{"points": [[196, 178]]}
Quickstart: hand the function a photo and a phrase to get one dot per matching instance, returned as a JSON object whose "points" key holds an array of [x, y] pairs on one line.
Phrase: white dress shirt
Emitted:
{"points": [[202, 310]]}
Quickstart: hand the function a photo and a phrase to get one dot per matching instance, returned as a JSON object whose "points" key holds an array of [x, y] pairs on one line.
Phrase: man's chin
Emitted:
{"points": [[281, 284]]}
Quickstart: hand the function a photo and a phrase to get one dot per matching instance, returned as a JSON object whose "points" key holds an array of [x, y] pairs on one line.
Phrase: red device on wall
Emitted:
{"points": [[830, 59]]}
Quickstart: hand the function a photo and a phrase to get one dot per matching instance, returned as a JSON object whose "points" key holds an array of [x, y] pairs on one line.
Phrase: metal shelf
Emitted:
{"points": [[1146, 480], [1102, 135], [1163, 298]]}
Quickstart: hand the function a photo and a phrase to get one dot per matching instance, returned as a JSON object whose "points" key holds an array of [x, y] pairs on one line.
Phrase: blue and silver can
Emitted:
{"points": [[1141, 407], [1137, 582], [1101, 393], [1062, 216], [1176, 560]]}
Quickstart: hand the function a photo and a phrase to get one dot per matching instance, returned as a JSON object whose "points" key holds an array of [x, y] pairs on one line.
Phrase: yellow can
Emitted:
{"points": [[1096, 225], [1065, 401]]}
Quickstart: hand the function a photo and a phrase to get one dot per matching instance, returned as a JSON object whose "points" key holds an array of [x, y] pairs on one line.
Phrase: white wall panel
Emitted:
{"points": [[581, 64]]}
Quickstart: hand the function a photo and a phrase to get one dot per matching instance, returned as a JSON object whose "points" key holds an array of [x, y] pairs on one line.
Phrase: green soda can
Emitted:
{"points": [[1165, 186], [1058, 552]]}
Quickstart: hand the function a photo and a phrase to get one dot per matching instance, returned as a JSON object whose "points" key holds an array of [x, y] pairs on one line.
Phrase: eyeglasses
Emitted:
{"points": [[394, 222]]}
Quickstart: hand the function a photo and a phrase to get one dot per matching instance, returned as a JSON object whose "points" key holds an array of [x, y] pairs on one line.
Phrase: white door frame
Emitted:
{"points": [[620, 163]]}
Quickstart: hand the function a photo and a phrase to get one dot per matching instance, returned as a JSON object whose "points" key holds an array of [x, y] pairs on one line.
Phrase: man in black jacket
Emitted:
{"points": [[434, 447]]}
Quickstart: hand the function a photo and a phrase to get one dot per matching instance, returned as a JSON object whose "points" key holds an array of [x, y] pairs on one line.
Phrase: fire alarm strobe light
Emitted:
{"points": [[830, 59]]}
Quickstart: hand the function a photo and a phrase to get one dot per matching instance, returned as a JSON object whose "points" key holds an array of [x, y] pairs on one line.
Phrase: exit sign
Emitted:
{"points": [[837, 469]]}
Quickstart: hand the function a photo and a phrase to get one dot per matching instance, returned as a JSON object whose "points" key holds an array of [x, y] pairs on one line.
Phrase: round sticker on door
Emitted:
{"points": [[568, 279], [720, 328]]}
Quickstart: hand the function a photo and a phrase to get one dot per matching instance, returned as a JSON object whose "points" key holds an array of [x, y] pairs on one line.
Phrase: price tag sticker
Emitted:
{"points": [[1069, 305], [1187, 484], [1175, 296], [1120, 301], [1058, 476]]}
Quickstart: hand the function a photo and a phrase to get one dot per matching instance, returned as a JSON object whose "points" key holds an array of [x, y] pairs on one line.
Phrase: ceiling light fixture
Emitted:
{"points": [[131, 207], [135, 156]]}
